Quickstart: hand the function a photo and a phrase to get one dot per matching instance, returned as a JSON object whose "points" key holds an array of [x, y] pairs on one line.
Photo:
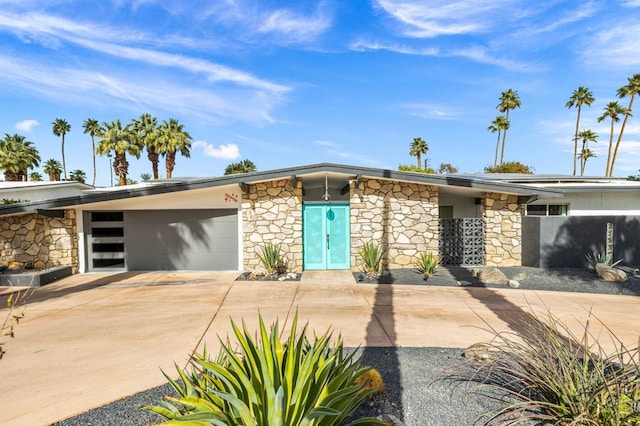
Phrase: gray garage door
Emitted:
{"points": [[196, 240]]}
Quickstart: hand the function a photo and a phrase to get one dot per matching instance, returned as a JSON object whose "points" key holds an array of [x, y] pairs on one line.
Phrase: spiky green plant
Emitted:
{"points": [[270, 258], [554, 376], [270, 382], [427, 263], [595, 258], [371, 254]]}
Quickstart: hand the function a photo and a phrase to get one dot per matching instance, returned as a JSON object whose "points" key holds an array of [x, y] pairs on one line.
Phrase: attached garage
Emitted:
{"points": [[151, 240]]}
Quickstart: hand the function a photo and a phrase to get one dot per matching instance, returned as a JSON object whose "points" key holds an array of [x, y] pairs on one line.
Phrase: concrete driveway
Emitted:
{"points": [[91, 339]]}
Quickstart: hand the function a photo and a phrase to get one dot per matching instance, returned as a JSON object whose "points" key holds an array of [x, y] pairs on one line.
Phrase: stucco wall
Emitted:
{"points": [[503, 229], [272, 212], [403, 217], [45, 242]]}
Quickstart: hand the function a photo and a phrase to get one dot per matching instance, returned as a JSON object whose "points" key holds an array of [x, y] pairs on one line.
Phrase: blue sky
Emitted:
{"points": [[290, 83]]}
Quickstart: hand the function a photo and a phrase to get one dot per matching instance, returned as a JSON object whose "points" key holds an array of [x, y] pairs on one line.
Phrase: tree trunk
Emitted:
{"points": [[495, 160], [93, 147], [606, 173], [624, 122], [121, 167], [170, 163], [504, 138], [64, 161], [575, 142], [154, 158]]}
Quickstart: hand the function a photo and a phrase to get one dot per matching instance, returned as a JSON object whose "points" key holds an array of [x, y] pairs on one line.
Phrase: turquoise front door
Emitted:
{"points": [[326, 241]]}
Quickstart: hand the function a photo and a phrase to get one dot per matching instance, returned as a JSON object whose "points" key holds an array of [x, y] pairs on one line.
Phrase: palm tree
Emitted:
{"points": [[146, 177], [17, 156], [172, 138], [580, 96], [417, 148], [508, 100], [92, 127], [244, 166], [35, 177], [585, 153], [61, 128], [78, 175], [632, 89], [146, 130], [613, 110], [498, 125], [53, 168], [121, 141]]}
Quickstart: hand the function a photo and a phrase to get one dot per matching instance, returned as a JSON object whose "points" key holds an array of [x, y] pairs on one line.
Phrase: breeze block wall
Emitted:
{"points": [[403, 217], [46, 242], [272, 213], [502, 216]]}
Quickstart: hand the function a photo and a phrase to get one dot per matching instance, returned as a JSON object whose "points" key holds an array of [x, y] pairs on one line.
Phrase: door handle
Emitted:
{"points": [[328, 242]]}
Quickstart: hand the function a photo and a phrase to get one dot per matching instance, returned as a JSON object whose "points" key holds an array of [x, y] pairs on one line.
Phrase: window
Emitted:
{"points": [[547, 210]]}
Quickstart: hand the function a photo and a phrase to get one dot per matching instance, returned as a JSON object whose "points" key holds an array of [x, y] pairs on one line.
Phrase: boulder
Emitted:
{"points": [[478, 352], [491, 275], [514, 284], [609, 273]]}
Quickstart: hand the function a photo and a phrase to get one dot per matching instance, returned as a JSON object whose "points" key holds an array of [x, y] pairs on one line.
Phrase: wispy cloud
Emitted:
{"points": [[26, 125], [430, 111], [364, 45], [293, 26], [441, 17], [224, 151], [615, 46]]}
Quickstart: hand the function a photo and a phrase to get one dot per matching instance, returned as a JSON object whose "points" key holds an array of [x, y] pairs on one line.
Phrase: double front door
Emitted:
{"points": [[326, 236]]}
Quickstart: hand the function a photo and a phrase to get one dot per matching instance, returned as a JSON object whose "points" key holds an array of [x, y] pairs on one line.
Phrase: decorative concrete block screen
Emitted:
{"points": [[462, 241]]}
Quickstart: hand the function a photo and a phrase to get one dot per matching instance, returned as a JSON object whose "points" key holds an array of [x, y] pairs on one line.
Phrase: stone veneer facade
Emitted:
{"points": [[401, 216], [272, 213], [45, 242], [503, 229]]}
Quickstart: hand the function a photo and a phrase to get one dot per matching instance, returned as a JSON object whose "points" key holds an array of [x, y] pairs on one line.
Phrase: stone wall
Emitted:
{"points": [[503, 229], [403, 217], [45, 242], [272, 212]]}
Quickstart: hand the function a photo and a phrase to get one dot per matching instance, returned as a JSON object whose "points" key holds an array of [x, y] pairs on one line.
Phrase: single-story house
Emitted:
{"points": [[322, 215]]}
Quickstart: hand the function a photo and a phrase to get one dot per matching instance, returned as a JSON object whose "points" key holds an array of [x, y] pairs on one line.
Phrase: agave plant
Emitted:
{"points": [[270, 382], [427, 263], [371, 254], [270, 257], [594, 258]]}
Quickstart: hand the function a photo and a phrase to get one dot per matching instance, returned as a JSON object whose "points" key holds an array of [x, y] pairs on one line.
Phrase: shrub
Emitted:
{"points": [[427, 263], [270, 257], [371, 254], [556, 377], [595, 258], [510, 167], [270, 382]]}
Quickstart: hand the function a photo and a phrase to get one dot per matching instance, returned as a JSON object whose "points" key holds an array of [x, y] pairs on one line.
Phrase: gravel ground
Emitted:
{"points": [[416, 391], [556, 279]]}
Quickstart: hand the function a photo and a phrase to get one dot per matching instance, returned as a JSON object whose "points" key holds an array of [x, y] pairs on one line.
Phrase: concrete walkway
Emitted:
{"points": [[91, 339]]}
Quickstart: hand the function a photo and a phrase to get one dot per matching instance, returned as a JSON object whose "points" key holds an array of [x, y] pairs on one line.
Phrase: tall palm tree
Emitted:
{"points": [[498, 125], [585, 153], [61, 128], [631, 89], [146, 130], [17, 156], [121, 141], [417, 148], [509, 100], [92, 127], [53, 168], [244, 166], [172, 138], [613, 110], [580, 96]]}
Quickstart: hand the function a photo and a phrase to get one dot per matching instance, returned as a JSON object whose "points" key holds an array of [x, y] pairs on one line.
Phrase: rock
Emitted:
{"points": [[514, 284], [390, 419], [491, 275], [610, 274], [478, 352]]}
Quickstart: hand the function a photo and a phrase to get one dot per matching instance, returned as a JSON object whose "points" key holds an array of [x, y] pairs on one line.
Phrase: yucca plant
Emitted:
{"points": [[427, 263], [371, 254], [555, 377], [270, 382], [595, 258], [270, 257]]}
